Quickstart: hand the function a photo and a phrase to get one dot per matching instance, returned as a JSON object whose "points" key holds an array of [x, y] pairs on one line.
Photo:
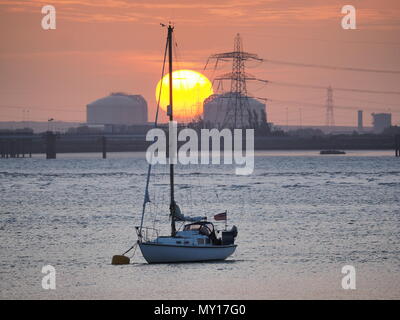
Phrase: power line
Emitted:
{"points": [[321, 105], [42, 109], [362, 42], [321, 66], [13, 119], [367, 101], [290, 84]]}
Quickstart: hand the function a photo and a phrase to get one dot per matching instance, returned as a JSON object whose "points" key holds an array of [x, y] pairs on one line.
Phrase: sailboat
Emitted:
{"points": [[198, 240]]}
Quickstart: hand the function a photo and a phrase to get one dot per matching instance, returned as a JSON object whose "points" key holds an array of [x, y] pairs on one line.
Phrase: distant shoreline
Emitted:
{"points": [[258, 153], [36, 144]]}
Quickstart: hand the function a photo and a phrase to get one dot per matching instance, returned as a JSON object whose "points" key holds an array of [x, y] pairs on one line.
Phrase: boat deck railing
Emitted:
{"points": [[147, 234]]}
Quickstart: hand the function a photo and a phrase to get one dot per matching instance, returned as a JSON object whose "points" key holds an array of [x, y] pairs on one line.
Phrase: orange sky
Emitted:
{"points": [[117, 45]]}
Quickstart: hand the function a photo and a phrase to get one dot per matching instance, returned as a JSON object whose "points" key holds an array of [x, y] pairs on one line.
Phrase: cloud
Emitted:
{"points": [[211, 12]]}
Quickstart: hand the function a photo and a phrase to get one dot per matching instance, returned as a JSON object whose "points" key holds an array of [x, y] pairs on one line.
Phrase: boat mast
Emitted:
{"points": [[172, 205]]}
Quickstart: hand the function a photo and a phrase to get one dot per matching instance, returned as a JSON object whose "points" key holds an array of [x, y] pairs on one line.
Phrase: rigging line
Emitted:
{"points": [[155, 207], [189, 109], [177, 58], [289, 84], [146, 194], [176, 53], [321, 66], [161, 85]]}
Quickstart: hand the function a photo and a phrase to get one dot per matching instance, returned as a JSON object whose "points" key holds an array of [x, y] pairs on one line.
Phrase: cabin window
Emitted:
{"points": [[186, 242], [192, 227], [200, 241], [205, 230], [178, 242], [207, 227]]}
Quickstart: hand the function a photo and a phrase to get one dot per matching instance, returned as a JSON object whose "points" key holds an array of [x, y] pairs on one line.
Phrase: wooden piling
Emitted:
{"points": [[17, 147], [12, 148], [104, 146], [7, 147], [23, 148], [50, 145], [397, 145]]}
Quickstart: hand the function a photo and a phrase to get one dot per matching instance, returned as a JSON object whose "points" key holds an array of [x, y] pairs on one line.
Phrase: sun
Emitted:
{"points": [[190, 88]]}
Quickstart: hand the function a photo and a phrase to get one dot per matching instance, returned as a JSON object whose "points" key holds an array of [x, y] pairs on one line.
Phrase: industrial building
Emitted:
{"points": [[117, 109], [381, 121], [217, 111]]}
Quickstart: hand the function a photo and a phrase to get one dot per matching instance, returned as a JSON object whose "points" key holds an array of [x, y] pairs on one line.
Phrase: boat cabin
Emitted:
{"points": [[207, 229], [204, 227]]}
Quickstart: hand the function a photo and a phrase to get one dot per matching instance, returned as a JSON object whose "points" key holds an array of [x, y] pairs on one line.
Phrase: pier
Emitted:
{"points": [[14, 145], [18, 147]]}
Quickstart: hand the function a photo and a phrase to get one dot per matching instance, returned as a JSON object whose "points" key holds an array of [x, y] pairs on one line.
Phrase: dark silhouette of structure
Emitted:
{"points": [[360, 120], [51, 145], [104, 146]]}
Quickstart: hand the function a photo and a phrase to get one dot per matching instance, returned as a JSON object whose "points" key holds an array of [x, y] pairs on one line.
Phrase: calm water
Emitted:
{"points": [[301, 218]]}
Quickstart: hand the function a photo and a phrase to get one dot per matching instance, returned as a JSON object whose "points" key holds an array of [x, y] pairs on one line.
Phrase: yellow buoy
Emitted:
{"points": [[120, 260]]}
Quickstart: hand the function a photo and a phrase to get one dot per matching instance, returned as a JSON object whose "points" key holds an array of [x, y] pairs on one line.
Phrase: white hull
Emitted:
{"points": [[165, 253]]}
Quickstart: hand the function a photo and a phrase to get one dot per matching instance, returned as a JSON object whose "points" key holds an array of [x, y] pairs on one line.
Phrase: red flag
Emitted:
{"points": [[220, 216]]}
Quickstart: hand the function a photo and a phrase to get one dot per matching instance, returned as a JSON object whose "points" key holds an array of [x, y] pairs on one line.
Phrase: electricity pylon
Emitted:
{"points": [[236, 115], [330, 121]]}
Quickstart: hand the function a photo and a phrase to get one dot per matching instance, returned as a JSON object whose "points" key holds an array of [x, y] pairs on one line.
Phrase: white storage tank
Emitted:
{"points": [[219, 112], [118, 108]]}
